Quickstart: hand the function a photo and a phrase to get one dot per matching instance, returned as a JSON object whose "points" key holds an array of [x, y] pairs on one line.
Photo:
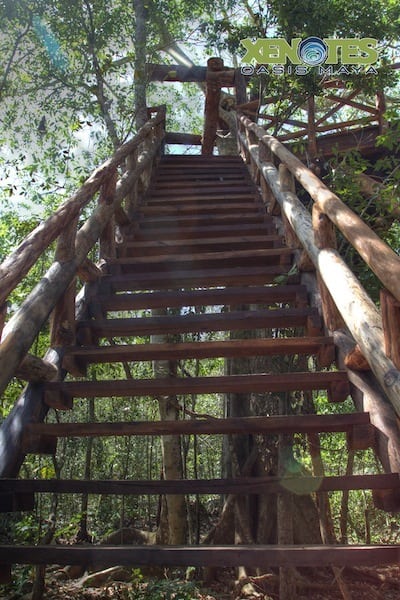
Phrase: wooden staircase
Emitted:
{"points": [[202, 238]]}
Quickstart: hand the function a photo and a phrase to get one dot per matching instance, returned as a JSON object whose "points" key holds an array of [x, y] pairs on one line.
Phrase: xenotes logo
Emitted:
{"points": [[329, 56]]}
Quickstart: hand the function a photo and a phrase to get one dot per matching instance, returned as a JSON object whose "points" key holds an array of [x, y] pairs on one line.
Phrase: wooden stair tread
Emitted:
{"points": [[198, 278], [172, 183], [174, 209], [235, 320], [222, 196], [216, 556], [326, 423], [205, 231], [240, 485], [249, 218], [221, 348], [152, 247], [248, 200], [209, 297], [232, 258], [335, 382], [176, 173]]}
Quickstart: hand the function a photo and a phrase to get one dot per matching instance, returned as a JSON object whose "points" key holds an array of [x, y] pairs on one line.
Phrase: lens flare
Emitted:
{"points": [[312, 51]]}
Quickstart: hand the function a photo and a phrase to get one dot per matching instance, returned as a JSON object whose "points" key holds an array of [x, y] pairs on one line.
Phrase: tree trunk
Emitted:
{"points": [[140, 62], [173, 521]]}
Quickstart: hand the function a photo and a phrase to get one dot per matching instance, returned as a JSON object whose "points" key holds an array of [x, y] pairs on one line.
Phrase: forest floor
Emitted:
{"points": [[348, 584]]}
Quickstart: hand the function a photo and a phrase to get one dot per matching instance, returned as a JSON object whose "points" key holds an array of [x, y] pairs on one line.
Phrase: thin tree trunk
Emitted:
{"points": [[140, 62], [175, 505], [39, 583]]}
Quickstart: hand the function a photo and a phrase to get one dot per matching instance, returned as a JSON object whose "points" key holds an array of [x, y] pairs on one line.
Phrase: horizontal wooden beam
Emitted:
{"points": [[217, 426], [156, 72], [186, 139], [216, 556], [241, 485]]}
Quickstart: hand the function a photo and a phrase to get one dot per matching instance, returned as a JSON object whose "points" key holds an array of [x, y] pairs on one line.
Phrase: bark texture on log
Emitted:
{"points": [[357, 309], [376, 253]]}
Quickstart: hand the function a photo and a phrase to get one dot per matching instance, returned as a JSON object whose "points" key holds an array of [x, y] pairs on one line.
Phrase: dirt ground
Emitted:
{"points": [[347, 584]]}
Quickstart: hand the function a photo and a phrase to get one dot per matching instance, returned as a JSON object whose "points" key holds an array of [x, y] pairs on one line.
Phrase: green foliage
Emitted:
{"points": [[162, 589]]}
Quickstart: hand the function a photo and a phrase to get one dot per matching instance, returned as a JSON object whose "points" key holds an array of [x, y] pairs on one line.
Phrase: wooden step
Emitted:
{"points": [[272, 425], [196, 556], [213, 260], [323, 347], [267, 227], [198, 278], [249, 200], [154, 223], [170, 177], [240, 485], [215, 185], [208, 194], [174, 209], [227, 321], [231, 296], [60, 394], [166, 247]]}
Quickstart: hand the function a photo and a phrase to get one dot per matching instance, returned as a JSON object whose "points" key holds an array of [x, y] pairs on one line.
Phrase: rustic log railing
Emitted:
{"points": [[318, 119], [128, 169], [344, 300]]}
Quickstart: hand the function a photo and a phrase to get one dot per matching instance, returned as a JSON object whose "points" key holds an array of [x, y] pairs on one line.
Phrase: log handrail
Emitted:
{"points": [[18, 263], [73, 245], [353, 303]]}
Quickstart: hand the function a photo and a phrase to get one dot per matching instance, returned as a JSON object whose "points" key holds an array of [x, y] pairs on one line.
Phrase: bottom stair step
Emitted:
{"points": [[197, 556], [240, 485]]}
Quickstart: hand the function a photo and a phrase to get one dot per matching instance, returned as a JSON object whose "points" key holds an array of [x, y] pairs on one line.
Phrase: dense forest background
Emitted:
{"points": [[72, 88]]}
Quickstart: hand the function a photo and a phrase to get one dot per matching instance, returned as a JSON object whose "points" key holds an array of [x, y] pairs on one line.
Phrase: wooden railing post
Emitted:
{"points": [[211, 109], [325, 237], [390, 308], [107, 237], [287, 184], [62, 321]]}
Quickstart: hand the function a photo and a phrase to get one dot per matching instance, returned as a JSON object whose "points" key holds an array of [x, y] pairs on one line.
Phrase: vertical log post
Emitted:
{"points": [[265, 155], [213, 96], [107, 237], [62, 324], [132, 198], [312, 135], [325, 237], [390, 308], [287, 184]]}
